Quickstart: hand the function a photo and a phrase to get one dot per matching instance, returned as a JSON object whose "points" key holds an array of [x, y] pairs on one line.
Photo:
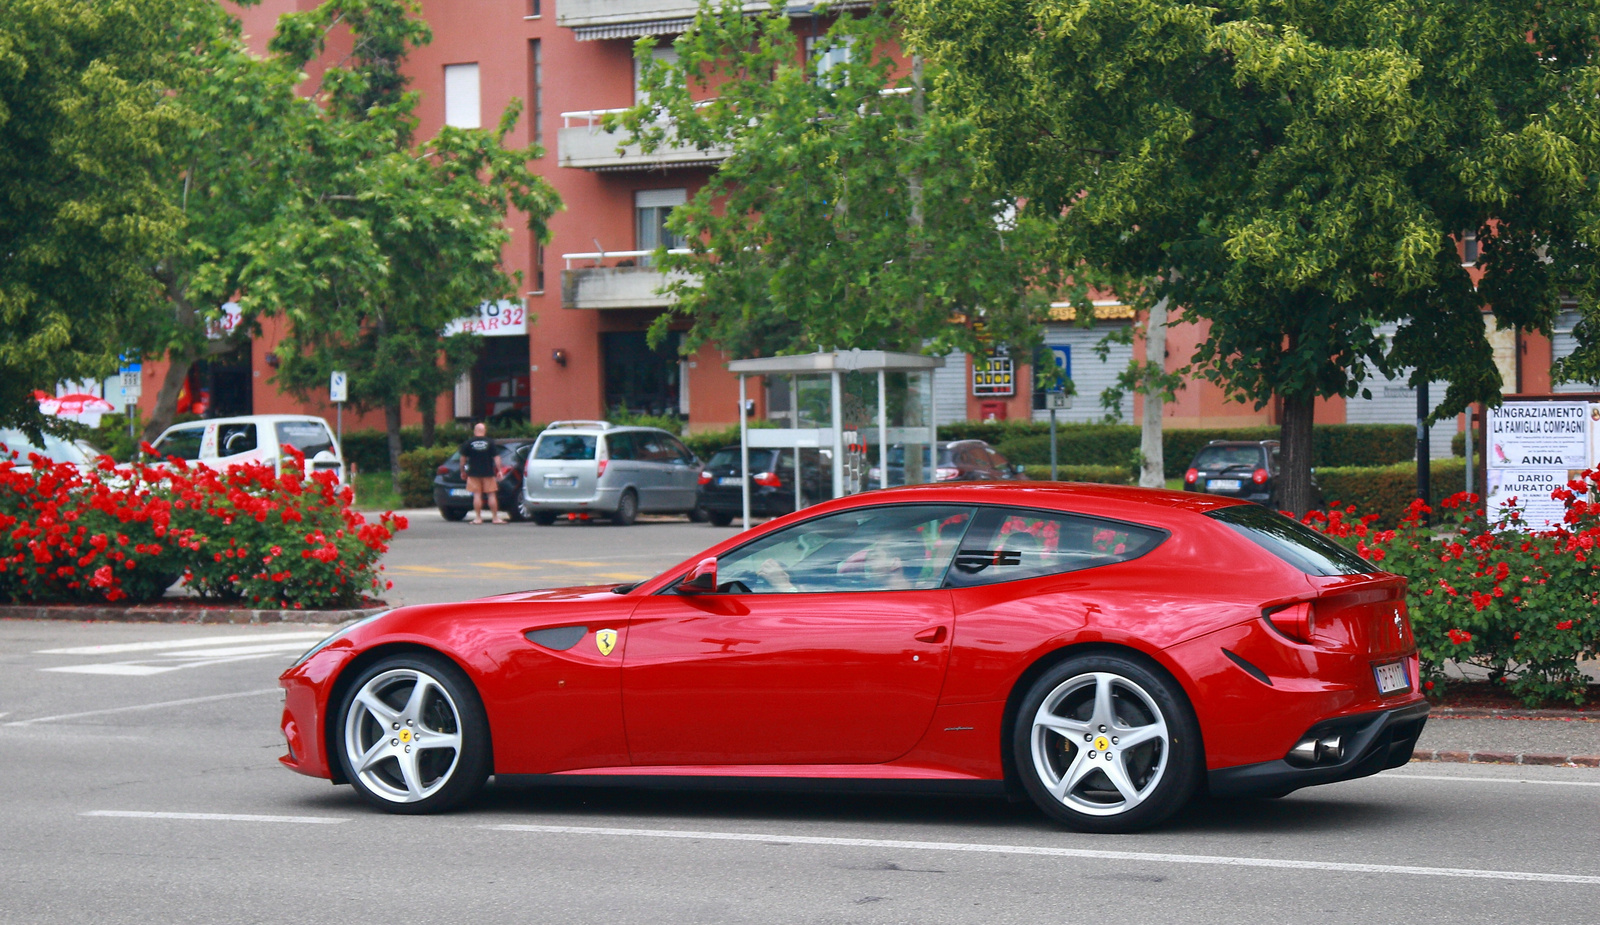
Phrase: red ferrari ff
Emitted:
{"points": [[1109, 652]]}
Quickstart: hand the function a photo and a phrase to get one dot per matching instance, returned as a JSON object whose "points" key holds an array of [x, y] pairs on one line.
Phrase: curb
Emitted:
{"points": [[1582, 716], [159, 614], [1460, 757]]}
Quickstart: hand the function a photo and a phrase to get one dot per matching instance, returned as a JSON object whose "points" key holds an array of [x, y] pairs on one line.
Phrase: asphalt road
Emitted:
{"points": [[143, 786]]}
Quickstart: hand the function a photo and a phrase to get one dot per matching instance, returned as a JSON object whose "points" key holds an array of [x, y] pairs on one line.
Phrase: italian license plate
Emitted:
{"points": [[1222, 484], [731, 480], [1392, 678], [560, 481], [460, 493]]}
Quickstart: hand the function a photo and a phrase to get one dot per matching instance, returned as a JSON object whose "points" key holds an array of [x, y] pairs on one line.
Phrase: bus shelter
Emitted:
{"points": [[855, 401]]}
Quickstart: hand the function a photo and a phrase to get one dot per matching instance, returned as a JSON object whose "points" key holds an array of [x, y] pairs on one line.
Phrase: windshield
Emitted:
{"points": [[57, 449], [1294, 543], [565, 446], [1227, 457]]}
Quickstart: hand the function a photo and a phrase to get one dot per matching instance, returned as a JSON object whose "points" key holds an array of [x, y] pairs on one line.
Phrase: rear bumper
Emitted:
{"points": [[604, 500], [1374, 742], [767, 501]]}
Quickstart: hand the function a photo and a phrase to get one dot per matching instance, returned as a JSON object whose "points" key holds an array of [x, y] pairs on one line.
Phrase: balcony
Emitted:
{"points": [[621, 284], [622, 19], [583, 142]]}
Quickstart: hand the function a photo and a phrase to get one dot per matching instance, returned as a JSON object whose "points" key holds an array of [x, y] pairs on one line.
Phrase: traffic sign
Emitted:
{"points": [[132, 384], [338, 387]]}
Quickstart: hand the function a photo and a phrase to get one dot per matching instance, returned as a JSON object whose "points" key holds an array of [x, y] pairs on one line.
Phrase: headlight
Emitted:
{"points": [[338, 633]]}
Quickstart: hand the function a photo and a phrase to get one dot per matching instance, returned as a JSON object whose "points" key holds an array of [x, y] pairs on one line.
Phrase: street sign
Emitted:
{"points": [[1057, 401], [132, 384], [338, 387]]}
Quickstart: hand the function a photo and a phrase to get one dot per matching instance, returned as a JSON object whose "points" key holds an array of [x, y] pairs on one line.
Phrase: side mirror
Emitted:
{"points": [[703, 580]]}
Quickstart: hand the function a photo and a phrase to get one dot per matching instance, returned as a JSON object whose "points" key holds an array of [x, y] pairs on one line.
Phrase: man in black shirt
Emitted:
{"points": [[480, 463]]}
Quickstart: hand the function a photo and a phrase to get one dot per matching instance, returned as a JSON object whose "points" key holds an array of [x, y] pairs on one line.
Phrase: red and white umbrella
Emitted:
{"points": [[79, 406]]}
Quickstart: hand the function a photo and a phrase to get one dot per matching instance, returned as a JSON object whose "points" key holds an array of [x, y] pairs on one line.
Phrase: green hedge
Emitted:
{"points": [[417, 469], [1388, 490], [1117, 444], [1108, 475], [368, 450]]}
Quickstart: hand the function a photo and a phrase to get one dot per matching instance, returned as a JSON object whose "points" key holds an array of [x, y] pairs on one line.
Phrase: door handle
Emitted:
{"points": [[931, 634]]}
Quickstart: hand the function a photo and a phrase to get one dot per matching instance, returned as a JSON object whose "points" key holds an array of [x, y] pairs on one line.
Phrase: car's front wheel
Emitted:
{"points": [[413, 737], [453, 513], [1106, 743], [719, 519]]}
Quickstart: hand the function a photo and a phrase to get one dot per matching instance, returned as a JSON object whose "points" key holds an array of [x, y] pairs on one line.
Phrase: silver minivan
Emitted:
{"points": [[596, 468]]}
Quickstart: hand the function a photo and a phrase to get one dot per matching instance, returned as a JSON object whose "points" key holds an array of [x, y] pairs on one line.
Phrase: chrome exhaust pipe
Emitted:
{"points": [[1330, 749], [1304, 752]]}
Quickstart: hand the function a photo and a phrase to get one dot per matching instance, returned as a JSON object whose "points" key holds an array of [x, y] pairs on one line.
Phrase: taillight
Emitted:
{"points": [[767, 479], [1296, 621], [443, 470], [945, 473], [1192, 476], [601, 468], [705, 477], [1259, 476]]}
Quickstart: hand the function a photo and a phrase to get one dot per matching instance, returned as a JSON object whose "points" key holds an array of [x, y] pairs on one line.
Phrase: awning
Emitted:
{"points": [[632, 30]]}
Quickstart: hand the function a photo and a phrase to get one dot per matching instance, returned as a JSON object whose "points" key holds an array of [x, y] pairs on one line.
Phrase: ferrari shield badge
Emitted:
{"points": [[605, 641]]}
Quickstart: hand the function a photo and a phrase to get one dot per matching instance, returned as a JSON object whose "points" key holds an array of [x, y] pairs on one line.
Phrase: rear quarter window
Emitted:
{"points": [[1008, 544], [1294, 543]]}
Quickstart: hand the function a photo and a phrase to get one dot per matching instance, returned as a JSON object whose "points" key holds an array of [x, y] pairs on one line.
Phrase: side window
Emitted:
{"points": [[873, 549], [971, 457], [999, 461], [1007, 544], [183, 443], [652, 449], [680, 453], [620, 446], [233, 439]]}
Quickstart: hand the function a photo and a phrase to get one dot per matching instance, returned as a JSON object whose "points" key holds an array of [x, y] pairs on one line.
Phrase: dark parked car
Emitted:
{"points": [[959, 461], [1247, 469], [450, 486], [771, 482]]}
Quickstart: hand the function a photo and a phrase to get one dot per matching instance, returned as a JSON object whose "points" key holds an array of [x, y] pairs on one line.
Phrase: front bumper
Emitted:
{"points": [[1376, 741]]}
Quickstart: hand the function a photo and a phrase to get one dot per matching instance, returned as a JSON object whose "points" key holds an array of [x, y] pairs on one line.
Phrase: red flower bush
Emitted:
{"points": [[117, 533], [1520, 605]]}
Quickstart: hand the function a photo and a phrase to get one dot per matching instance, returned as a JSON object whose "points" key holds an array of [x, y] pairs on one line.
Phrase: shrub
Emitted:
{"points": [[126, 533], [1521, 606], [1108, 475], [368, 450], [417, 469], [1118, 444], [1386, 492]]}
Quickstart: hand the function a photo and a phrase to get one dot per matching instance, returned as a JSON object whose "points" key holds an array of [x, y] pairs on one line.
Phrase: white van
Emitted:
{"points": [[224, 442]]}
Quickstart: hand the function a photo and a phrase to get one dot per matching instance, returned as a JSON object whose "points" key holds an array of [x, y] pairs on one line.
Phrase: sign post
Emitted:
{"points": [[339, 393], [1055, 401], [132, 388]]}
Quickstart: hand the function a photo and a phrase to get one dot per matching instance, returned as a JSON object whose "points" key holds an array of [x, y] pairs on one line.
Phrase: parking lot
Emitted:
{"points": [[144, 787]]}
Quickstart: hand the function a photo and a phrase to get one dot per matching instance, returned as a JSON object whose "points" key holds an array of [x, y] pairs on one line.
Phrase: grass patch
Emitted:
{"points": [[375, 492]]}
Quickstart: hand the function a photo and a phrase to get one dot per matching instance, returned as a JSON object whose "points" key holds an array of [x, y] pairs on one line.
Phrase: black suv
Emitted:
{"points": [[450, 486], [1245, 469], [771, 482]]}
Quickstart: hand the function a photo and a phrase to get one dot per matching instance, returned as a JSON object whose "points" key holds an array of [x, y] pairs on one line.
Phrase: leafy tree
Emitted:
{"points": [[1295, 173], [848, 211], [406, 238], [83, 117]]}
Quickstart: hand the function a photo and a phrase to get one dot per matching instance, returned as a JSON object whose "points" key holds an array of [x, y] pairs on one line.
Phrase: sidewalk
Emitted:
{"points": [[1533, 737]]}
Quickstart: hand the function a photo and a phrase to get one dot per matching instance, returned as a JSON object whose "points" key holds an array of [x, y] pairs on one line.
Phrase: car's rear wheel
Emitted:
{"points": [[412, 735], [627, 509], [453, 513], [1106, 743], [719, 519], [698, 515], [543, 518]]}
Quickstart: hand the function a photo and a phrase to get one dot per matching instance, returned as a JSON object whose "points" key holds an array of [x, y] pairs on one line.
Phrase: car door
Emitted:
{"points": [[684, 480], [826, 645], [655, 470]]}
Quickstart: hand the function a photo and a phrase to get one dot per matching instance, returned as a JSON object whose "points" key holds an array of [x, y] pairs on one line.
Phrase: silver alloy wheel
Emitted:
{"points": [[402, 735], [1100, 744]]}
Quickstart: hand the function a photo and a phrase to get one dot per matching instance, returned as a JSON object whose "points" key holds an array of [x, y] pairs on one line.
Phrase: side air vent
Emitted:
{"points": [[1248, 668], [560, 638]]}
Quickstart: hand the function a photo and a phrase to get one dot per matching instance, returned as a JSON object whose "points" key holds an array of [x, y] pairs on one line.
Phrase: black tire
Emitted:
{"points": [[627, 509], [698, 515], [1158, 775], [444, 783], [719, 520], [453, 513], [543, 518]]}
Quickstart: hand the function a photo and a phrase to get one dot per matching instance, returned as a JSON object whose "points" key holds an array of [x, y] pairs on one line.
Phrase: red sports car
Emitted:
{"points": [[1109, 652]]}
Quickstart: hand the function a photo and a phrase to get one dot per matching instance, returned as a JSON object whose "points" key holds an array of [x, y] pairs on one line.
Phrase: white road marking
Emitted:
{"points": [[116, 648], [142, 706], [1491, 780], [218, 817], [1150, 857]]}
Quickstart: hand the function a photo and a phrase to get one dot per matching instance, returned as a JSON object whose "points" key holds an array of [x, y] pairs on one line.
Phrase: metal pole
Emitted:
{"points": [[794, 418], [744, 454], [1052, 443], [883, 432], [1469, 450], [338, 415], [1423, 456], [838, 436], [930, 471]]}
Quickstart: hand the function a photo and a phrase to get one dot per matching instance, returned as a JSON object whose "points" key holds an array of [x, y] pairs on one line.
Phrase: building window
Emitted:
{"points": [[1469, 248], [533, 10], [825, 58], [461, 108], [651, 210], [537, 276], [663, 54], [536, 90]]}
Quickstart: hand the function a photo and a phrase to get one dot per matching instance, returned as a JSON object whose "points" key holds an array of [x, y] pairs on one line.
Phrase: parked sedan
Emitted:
{"points": [[959, 461], [1108, 651], [1248, 469], [771, 482], [450, 493]]}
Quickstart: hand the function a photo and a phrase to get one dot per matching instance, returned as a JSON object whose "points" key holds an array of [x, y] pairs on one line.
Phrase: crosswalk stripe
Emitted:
{"points": [[120, 647], [217, 817], [142, 706]]}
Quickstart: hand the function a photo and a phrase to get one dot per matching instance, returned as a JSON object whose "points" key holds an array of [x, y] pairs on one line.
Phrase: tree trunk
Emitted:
{"points": [[1152, 471], [167, 397], [429, 406], [1294, 475], [391, 423]]}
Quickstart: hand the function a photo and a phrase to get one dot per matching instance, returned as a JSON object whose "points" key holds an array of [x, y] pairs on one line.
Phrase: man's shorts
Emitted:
{"points": [[481, 484]]}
